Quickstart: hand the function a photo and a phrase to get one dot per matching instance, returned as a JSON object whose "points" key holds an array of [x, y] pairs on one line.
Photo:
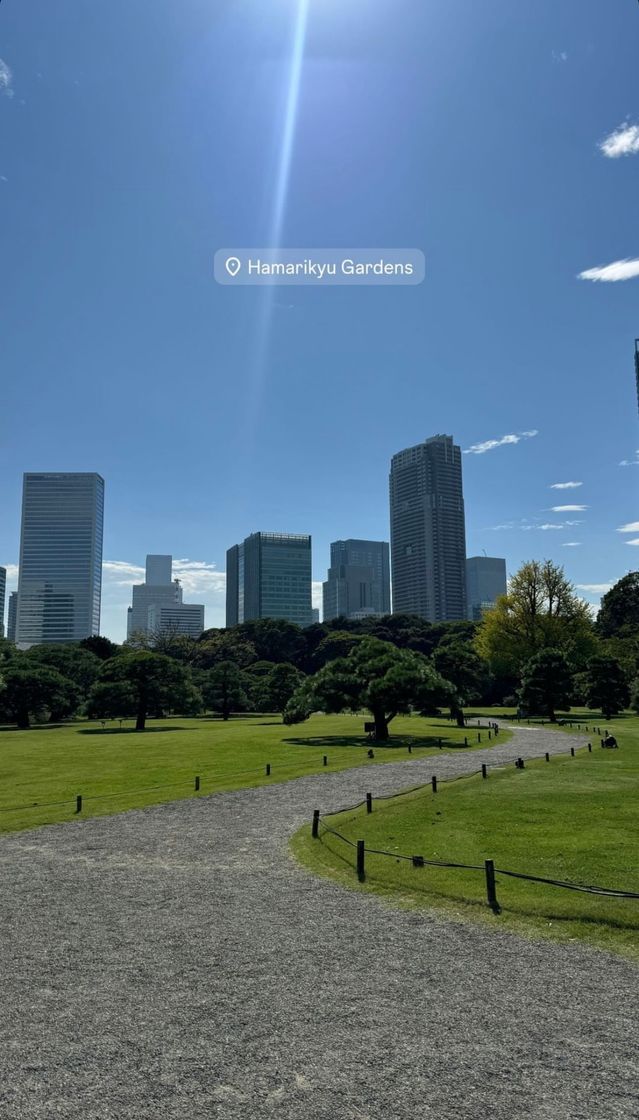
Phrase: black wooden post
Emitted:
{"points": [[590, 748], [369, 803], [479, 736], [521, 763], [360, 861], [547, 757], [410, 749], [326, 760], [433, 782], [197, 783], [439, 743], [315, 825], [78, 803], [491, 890], [465, 740], [268, 769], [490, 734], [572, 752], [484, 770]]}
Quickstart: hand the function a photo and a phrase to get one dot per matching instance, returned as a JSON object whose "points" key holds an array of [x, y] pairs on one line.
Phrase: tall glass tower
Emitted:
{"points": [[428, 534], [60, 579], [269, 576]]}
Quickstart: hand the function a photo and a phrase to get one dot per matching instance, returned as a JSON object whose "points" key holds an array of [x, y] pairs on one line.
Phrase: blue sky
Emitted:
{"points": [[139, 136]]}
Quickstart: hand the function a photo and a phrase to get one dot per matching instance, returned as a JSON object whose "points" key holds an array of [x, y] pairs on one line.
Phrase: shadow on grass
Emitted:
{"points": [[392, 744], [132, 730]]}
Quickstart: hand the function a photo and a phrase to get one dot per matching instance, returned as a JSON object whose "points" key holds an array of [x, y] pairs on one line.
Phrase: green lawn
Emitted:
{"points": [[573, 819], [117, 766]]}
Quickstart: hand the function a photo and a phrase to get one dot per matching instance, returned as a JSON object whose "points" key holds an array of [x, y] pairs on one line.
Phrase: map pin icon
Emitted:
{"points": [[233, 266]]}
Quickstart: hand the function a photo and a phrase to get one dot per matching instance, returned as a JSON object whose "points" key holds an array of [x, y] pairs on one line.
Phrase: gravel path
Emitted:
{"points": [[174, 963]]}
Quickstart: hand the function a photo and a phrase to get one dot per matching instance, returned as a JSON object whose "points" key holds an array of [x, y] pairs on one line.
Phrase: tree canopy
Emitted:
{"points": [[541, 611], [376, 676]]}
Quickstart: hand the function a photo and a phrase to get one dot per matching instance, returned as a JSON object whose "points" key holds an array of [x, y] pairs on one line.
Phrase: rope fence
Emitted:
{"points": [[267, 770], [319, 828]]}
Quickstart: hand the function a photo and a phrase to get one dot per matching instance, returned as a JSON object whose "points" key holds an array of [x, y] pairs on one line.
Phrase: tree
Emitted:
{"points": [[158, 683], [546, 683], [30, 689], [459, 663], [280, 685], [274, 639], [101, 647], [225, 646], [223, 689], [541, 611], [112, 700], [376, 676], [606, 685], [338, 643], [619, 611], [77, 664]]}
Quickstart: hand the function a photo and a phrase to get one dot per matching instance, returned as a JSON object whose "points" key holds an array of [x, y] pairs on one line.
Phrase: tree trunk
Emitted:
{"points": [[22, 718], [551, 715], [459, 716], [140, 722], [381, 727]]}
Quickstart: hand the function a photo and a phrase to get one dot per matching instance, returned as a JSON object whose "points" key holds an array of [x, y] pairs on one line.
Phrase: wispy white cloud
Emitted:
{"points": [[631, 527], [623, 141], [567, 509], [547, 525], [571, 544], [571, 523], [491, 444], [565, 485], [610, 273], [6, 79], [630, 462], [122, 573], [560, 56], [634, 542], [595, 588], [199, 578]]}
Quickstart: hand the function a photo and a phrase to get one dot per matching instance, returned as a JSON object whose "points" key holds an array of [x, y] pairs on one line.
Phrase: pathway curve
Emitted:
{"points": [[174, 963]]}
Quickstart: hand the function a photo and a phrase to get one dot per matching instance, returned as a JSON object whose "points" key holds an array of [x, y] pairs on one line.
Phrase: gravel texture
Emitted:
{"points": [[174, 963]]}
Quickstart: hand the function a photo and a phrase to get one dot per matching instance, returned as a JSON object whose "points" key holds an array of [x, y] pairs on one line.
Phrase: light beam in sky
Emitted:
{"points": [[262, 329]]}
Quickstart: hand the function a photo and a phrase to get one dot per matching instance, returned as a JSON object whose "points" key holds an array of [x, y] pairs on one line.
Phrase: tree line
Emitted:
{"points": [[538, 648]]}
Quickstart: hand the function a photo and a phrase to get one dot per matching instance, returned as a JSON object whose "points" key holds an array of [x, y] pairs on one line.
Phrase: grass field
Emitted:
{"points": [[116, 769], [570, 819]]}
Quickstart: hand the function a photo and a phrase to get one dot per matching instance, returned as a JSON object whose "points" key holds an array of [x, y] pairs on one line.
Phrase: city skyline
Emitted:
{"points": [[229, 408]]}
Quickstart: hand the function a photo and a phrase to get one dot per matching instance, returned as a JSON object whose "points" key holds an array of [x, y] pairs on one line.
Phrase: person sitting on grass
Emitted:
{"points": [[610, 742]]}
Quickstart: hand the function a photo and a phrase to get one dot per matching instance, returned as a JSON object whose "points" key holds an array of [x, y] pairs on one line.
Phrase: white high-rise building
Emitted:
{"points": [[157, 605], [60, 577]]}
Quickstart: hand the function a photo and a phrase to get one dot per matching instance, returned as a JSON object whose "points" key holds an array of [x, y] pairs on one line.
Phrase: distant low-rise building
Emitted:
{"points": [[157, 605]]}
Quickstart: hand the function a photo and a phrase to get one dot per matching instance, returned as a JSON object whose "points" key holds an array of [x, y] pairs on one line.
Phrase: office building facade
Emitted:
{"points": [[60, 578], [3, 592], [428, 534], [12, 613], [268, 575], [358, 582], [485, 582], [157, 605]]}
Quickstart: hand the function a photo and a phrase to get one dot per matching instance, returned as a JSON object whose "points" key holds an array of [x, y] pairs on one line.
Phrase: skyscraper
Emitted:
{"points": [[358, 582], [60, 577], [269, 576], [3, 589], [428, 535], [11, 616], [485, 582], [157, 604]]}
